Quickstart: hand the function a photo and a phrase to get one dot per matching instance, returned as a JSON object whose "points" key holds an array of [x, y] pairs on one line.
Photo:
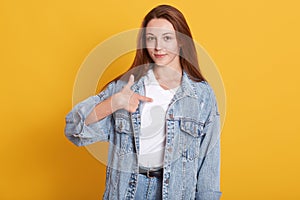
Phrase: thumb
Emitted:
{"points": [[130, 81]]}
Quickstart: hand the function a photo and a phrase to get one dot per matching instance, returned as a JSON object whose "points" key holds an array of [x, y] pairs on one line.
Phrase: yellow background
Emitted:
{"points": [[255, 45]]}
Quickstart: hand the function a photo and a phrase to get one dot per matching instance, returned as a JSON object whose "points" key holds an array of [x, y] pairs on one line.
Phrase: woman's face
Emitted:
{"points": [[161, 42]]}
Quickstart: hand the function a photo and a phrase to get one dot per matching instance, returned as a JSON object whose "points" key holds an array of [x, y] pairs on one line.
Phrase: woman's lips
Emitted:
{"points": [[159, 55]]}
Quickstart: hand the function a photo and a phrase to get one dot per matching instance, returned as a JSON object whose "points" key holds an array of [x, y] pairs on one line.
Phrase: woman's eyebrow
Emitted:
{"points": [[162, 34], [168, 33]]}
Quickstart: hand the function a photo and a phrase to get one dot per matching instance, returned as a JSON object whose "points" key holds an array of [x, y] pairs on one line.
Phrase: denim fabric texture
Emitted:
{"points": [[148, 188], [191, 168]]}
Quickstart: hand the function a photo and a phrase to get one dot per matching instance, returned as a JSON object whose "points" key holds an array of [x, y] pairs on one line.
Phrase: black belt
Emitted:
{"points": [[151, 173]]}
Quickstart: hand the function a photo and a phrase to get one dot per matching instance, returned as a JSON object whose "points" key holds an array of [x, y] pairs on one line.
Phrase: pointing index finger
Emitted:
{"points": [[144, 98]]}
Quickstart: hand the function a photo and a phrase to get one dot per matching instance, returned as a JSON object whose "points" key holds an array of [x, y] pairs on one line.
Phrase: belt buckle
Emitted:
{"points": [[148, 174]]}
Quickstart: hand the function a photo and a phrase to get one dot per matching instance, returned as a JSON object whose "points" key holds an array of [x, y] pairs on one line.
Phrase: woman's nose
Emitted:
{"points": [[158, 45]]}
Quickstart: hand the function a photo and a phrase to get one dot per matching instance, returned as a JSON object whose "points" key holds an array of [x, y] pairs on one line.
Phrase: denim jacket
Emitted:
{"points": [[191, 168]]}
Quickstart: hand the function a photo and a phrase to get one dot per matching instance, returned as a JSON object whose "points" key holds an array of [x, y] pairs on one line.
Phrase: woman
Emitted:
{"points": [[160, 117]]}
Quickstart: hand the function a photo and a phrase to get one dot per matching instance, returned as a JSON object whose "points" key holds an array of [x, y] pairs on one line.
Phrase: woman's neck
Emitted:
{"points": [[168, 77]]}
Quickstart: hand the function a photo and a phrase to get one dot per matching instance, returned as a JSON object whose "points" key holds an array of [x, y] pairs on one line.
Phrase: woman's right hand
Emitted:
{"points": [[127, 99]]}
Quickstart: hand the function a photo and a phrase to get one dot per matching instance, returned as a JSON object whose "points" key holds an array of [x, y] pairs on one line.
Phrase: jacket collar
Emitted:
{"points": [[187, 87]]}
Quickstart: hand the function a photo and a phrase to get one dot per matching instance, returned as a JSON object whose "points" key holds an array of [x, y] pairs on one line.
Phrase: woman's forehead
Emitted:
{"points": [[159, 25]]}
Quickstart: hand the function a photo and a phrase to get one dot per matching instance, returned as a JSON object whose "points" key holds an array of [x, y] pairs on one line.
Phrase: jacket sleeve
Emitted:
{"points": [[81, 134], [208, 177]]}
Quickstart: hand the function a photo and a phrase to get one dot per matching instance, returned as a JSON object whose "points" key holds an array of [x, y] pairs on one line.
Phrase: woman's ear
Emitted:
{"points": [[180, 44]]}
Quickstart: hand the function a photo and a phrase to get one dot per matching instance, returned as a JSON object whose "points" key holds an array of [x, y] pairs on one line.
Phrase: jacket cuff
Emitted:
{"points": [[209, 195]]}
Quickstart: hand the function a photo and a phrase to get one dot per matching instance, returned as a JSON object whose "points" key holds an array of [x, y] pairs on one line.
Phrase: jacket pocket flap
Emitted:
{"points": [[192, 127], [122, 123]]}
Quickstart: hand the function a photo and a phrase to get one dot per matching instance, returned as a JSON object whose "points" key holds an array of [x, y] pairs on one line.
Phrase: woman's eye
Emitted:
{"points": [[167, 38], [150, 38]]}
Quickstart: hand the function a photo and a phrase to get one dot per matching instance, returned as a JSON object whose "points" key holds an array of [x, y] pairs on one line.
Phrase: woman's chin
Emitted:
{"points": [[161, 64]]}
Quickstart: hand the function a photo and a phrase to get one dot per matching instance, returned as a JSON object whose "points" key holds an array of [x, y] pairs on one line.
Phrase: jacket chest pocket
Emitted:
{"points": [[123, 138], [191, 138]]}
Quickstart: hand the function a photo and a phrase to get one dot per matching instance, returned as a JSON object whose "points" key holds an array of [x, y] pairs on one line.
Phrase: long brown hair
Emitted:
{"points": [[188, 54]]}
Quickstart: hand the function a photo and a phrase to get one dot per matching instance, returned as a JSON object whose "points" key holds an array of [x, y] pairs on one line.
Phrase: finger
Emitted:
{"points": [[134, 101], [130, 81], [144, 98]]}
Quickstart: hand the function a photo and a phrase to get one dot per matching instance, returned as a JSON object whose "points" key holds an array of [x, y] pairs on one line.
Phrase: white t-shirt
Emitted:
{"points": [[152, 138]]}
